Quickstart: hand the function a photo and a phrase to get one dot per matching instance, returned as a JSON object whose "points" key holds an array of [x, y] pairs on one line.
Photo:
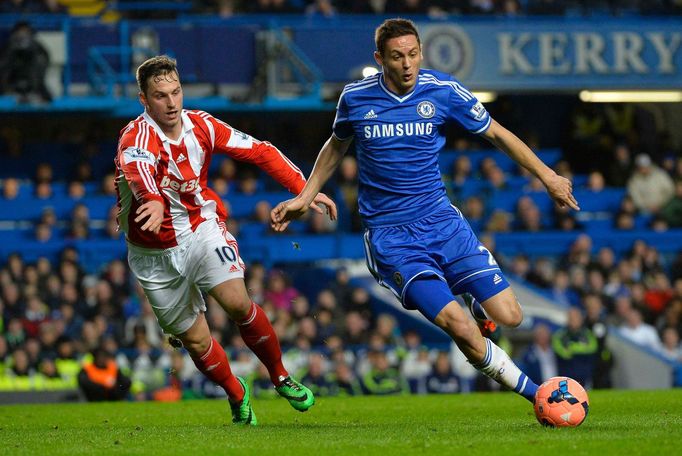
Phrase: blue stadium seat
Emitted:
{"points": [[242, 206], [608, 200]]}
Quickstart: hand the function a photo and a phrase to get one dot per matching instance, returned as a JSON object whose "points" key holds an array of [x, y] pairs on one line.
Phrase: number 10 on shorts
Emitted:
{"points": [[226, 254]]}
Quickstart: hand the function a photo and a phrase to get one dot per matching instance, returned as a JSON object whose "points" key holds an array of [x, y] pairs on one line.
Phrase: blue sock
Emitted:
{"points": [[477, 310]]}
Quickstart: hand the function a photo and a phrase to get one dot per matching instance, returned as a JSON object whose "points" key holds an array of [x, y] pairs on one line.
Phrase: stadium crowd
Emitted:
{"points": [[59, 323], [330, 8]]}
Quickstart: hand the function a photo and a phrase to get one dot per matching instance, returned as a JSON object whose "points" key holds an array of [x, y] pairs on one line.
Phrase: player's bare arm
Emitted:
{"points": [[153, 212], [558, 187], [327, 161]]}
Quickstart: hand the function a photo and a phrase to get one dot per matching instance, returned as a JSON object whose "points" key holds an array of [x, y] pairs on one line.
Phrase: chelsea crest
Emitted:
{"points": [[426, 109]]}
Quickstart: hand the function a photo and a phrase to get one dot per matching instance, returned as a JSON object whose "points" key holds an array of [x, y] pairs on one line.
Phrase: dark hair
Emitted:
{"points": [[392, 28], [161, 65]]}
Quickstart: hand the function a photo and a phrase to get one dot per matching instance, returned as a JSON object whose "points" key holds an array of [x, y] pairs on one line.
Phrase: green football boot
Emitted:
{"points": [[300, 397], [242, 413]]}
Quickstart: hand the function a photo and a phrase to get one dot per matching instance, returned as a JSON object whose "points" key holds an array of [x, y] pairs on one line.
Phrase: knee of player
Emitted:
{"points": [[514, 315], [196, 346]]}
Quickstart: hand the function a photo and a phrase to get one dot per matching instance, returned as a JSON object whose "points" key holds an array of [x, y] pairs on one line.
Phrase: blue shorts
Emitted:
{"points": [[441, 245]]}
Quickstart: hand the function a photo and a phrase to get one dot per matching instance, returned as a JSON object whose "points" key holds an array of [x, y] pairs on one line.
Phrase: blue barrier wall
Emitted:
{"points": [[485, 53]]}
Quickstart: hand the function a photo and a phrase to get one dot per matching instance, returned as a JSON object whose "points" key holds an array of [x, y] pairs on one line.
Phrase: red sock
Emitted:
{"points": [[214, 365], [260, 337]]}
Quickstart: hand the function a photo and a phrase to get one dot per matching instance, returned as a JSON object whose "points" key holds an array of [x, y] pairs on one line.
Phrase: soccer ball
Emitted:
{"points": [[561, 402]]}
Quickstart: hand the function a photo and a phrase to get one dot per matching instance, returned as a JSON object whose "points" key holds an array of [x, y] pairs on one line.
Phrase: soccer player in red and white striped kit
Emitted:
{"points": [[178, 246]]}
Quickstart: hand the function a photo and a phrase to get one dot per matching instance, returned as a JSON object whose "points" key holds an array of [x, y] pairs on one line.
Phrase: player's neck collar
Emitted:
{"points": [[392, 94], [186, 122]]}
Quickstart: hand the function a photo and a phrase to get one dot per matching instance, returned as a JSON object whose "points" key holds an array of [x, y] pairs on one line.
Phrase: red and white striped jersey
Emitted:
{"points": [[149, 165]]}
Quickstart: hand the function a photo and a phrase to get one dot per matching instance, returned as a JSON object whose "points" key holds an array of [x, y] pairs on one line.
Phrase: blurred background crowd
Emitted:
{"points": [[329, 8], [67, 320]]}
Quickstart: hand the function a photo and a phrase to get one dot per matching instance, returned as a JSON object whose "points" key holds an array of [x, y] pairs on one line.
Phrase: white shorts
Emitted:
{"points": [[174, 278]]}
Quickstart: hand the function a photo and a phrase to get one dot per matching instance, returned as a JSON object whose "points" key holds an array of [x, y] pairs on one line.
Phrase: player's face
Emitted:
{"points": [[401, 60], [163, 102]]}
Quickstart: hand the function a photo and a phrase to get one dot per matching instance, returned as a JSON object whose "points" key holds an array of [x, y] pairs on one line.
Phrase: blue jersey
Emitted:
{"points": [[398, 140]]}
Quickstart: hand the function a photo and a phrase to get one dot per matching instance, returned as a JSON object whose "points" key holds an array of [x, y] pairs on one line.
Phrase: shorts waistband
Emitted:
{"points": [[154, 252]]}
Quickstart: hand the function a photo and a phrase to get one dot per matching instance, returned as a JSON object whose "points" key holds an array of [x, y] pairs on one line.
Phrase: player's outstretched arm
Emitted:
{"points": [[327, 160], [558, 187]]}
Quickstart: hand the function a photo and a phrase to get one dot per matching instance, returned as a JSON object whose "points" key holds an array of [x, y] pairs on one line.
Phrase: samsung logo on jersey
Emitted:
{"points": [[398, 129]]}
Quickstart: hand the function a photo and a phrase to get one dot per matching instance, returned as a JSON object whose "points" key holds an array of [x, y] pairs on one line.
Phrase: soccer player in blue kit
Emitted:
{"points": [[417, 244]]}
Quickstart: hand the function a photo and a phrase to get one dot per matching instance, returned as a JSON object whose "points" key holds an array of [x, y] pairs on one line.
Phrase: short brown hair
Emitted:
{"points": [[393, 28], [160, 65]]}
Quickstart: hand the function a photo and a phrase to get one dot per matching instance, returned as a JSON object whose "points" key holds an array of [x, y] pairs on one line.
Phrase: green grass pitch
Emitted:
{"points": [[619, 423]]}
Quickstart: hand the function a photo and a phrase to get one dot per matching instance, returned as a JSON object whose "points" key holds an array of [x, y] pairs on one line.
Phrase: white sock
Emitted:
{"points": [[498, 365]]}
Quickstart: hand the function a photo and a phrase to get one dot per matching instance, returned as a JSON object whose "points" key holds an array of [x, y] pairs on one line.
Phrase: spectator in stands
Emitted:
{"points": [[539, 360], [356, 329], [53, 7], [23, 64], [474, 211], [671, 212], [147, 321], [528, 215], [347, 184], [382, 379], [497, 179], [43, 190], [15, 335], [10, 188], [542, 272], [461, 172], [620, 166], [360, 302], [320, 8], [561, 290], [261, 213], [101, 379], [279, 291], [576, 349], [43, 232], [107, 185], [442, 379], [75, 190], [499, 222], [341, 288], [321, 224], [520, 266], [326, 327], [624, 221], [658, 294], [649, 186], [225, 8], [270, 7], [595, 319], [315, 376], [387, 327], [18, 377], [672, 349], [18, 6], [344, 382], [672, 316], [564, 220], [415, 363], [595, 182], [641, 333], [248, 182]]}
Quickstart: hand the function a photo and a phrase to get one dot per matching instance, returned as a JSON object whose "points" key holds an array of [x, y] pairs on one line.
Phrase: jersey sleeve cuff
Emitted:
{"points": [[340, 138], [484, 128]]}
